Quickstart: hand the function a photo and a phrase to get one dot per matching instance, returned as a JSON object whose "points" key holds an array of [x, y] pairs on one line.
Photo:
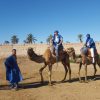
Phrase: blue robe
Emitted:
{"points": [[90, 43], [59, 37], [13, 74]]}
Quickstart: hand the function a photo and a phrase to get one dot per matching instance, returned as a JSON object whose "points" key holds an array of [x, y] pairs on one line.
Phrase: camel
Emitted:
{"points": [[49, 59], [86, 59]]}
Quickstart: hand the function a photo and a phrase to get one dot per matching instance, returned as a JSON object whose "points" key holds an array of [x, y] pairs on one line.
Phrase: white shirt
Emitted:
{"points": [[56, 39]]}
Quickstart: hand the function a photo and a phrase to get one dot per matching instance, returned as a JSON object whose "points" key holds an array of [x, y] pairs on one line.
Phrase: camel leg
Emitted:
{"points": [[85, 73], [80, 66], [49, 73], [69, 71], [98, 64], [98, 61], [66, 70], [40, 71], [95, 70]]}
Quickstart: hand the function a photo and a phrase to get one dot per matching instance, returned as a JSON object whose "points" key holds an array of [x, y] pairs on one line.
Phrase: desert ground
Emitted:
{"points": [[32, 89]]}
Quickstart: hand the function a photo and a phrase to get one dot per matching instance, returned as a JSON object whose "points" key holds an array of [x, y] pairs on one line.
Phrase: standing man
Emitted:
{"points": [[91, 44], [57, 42], [13, 74]]}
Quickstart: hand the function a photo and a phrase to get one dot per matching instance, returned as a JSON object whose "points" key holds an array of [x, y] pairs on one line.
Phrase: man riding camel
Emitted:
{"points": [[57, 40], [91, 45]]}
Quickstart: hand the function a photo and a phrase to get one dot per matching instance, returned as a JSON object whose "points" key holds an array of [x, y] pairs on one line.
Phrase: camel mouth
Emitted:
{"points": [[30, 51], [71, 53], [71, 49], [30, 48], [34, 57]]}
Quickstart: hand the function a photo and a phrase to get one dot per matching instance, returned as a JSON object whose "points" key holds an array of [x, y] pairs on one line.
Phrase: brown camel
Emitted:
{"points": [[86, 59], [49, 59]]}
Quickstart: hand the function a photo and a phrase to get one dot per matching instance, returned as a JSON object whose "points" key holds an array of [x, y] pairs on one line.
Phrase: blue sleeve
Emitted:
{"points": [[61, 38], [91, 42], [9, 61], [87, 41]]}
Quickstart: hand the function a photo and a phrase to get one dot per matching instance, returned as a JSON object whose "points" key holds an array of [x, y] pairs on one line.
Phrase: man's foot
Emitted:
{"points": [[11, 86], [16, 87]]}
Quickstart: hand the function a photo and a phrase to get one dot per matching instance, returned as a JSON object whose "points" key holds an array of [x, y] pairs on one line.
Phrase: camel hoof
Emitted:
{"points": [[70, 81], [80, 81], [94, 79], [50, 84], [86, 81], [62, 81], [42, 82]]}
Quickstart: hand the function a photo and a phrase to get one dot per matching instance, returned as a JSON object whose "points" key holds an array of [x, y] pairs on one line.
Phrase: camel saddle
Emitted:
{"points": [[61, 53], [86, 53]]}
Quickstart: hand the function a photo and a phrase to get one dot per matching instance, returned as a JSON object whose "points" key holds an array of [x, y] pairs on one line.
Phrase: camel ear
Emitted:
{"points": [[71, 49], [68, 49], [30, 48]]}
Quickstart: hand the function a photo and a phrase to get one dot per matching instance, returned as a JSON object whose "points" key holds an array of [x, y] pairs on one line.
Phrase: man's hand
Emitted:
{"points": [[58, 44]]}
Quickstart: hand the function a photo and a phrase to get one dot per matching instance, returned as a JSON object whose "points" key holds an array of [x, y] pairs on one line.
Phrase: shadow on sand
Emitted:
{"points": [[27, 85], [90, 78], [39, 84]]}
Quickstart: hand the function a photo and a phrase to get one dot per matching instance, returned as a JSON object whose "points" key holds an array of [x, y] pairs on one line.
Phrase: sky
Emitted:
{"points": [[43, 17]]}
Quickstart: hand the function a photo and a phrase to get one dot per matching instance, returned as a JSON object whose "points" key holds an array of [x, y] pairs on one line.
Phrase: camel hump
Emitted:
{"points": [[84, 50], [47, 55]]}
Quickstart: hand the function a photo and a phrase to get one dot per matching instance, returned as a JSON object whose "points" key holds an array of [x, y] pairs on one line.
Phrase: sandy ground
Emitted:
{"points": [[32, 89]]}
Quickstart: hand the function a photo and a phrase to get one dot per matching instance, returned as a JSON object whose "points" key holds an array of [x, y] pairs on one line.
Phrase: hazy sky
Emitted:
{"points": [[42, 17]]}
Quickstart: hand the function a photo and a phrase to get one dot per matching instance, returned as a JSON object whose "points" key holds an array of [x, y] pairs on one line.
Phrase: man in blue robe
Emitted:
{"points": [[91, 45], [13, 74], [57, 40]]}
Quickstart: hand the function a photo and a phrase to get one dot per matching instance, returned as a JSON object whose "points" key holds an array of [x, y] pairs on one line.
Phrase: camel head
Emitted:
{"points": [[34, 57], [71, 53], [30, 52]]}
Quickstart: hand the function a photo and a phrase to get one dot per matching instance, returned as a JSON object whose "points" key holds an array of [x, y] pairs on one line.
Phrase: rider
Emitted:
{"points": [[91, 44], [57, 42]]}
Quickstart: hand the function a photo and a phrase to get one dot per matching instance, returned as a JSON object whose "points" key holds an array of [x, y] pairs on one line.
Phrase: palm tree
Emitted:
{"points": [[6, 42], [25, 41], [49, 39], [30, 38], [41, 42], [80, 37], [67, 42], [14, 39]]}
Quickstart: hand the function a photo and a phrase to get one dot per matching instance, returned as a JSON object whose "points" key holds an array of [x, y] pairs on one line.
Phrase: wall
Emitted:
{"points": [[5, 50]]}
